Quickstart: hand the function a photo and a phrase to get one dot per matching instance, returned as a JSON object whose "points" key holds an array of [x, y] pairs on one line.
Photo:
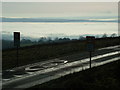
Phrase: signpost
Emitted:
{"points": [[90, 45], [17, 44]]}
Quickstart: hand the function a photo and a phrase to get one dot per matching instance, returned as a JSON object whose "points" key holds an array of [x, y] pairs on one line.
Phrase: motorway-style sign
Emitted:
{"points": [[17, 39], [90, 43], [17, 44]]}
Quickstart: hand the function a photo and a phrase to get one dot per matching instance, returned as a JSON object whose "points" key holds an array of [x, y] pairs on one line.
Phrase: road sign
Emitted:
{"points": [[90, 45], [17, 44], [17, 39]]}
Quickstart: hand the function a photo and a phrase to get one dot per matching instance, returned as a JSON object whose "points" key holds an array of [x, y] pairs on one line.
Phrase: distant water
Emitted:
{"points": [[59, 29]]}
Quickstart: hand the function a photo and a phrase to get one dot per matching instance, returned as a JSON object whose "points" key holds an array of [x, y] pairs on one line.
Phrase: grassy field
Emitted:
{"points": [[105, 77], [37, 53]]}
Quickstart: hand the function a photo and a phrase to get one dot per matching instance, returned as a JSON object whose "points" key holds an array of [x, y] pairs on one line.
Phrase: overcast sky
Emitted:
{"points": [[57, 9]]}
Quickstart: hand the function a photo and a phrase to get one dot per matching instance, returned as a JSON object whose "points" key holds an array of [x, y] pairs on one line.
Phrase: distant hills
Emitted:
{"points": [[9, 36], [7, 39]]}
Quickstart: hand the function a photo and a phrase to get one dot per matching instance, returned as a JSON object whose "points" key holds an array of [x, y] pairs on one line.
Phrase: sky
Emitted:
{"points": [[60, 0], [59, 9]]}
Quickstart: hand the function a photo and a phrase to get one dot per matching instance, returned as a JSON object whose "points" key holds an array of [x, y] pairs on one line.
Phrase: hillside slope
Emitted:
{"points": [[105, 77], [37, 53]]}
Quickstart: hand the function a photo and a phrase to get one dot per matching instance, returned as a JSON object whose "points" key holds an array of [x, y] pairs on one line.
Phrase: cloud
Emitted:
{"points": [[34, 9]]}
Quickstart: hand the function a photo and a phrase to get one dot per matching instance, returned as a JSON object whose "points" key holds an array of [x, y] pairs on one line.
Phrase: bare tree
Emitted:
{"points": [[81, 38], [104, 35], [113, 35]]}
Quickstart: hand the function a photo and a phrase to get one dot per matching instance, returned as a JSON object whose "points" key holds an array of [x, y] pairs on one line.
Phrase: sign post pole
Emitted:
{"points": [[90, 58], [17, 57], [90, 46], [17, 44]]}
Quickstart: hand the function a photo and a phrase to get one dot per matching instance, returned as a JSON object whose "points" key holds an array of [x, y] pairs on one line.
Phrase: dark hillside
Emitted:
{"points": [[37, 53]]}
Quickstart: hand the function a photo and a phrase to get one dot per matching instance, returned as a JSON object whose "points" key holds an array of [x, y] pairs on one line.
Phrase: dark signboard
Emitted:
{"points": [[90, 46], [90, 43], [17, 39]]}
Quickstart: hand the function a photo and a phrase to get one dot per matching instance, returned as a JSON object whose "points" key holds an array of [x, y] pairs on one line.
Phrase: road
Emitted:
{"points": [[38, 73]]}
